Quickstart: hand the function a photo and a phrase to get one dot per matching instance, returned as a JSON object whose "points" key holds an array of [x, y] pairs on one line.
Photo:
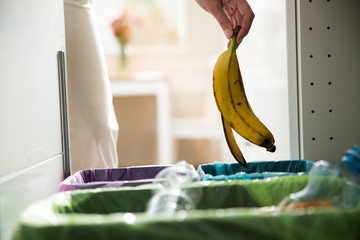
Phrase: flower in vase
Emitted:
{"points": [[121, 27]]}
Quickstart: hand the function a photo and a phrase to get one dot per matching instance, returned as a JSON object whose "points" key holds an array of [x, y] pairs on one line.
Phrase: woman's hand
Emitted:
{"points": [[229, 14]]}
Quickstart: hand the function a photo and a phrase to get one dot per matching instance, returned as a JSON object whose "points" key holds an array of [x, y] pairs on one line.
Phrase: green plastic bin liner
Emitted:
{"points": [[227, 210], [219, 171]]}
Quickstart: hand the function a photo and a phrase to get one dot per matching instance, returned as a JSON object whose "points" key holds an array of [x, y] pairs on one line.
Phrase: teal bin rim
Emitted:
{"points": [[220, 171]]}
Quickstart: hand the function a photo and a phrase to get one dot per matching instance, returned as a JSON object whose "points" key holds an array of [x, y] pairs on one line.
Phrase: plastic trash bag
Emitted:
{"points": [[226, 210]]}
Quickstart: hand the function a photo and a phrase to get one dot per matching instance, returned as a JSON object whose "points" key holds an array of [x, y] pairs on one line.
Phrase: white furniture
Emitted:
{"points": [[159, 89], [324, 86], [31, 155], [203, 129]]}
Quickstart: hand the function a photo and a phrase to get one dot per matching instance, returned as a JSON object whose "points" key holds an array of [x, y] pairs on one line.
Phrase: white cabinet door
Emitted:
{"points": [[324, 86], [32, 32]]}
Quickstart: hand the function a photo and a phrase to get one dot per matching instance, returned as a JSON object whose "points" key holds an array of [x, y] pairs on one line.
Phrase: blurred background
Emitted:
{"points": [[177, 43]]}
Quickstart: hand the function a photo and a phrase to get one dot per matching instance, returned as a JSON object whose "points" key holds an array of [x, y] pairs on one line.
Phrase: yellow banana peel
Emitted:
{"points": [[231, 100], [231, 142]]}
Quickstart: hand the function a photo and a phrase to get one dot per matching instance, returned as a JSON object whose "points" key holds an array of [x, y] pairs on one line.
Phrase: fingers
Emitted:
{"points": [[215, 8], [230, 13], [247, 19], [223, 20]]}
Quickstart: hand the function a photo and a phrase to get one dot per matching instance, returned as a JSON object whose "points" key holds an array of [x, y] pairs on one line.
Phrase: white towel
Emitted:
{"points": [[93, 125]]}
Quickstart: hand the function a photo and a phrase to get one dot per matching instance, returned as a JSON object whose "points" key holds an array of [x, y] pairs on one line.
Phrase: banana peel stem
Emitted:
{"points": [[233, 44]]}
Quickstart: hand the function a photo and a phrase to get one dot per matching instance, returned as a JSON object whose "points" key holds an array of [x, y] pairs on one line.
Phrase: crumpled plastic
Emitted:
{"points": [[174, 193], [219, 171], [331, 185], [225, 210]]}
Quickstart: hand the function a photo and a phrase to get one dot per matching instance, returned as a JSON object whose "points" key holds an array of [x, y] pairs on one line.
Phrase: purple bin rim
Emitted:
{"points": [[111, 177]]}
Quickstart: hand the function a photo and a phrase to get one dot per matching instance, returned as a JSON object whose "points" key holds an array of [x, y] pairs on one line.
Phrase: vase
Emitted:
{"points": [[123, 70]]}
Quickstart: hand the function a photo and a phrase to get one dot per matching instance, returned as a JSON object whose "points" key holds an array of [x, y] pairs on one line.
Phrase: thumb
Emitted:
{"points": [[224, 22]]}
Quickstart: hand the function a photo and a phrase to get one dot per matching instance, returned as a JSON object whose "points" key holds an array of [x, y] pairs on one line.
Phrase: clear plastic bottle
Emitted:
{"points": [[174, 193], [330, 184], [351, 159]]}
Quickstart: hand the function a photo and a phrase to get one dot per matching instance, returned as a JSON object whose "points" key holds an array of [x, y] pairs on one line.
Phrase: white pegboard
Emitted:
{"points": [[324, 77]]}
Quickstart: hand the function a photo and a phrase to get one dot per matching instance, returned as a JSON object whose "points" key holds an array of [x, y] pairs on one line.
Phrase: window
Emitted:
{"points": [[154, 22]]}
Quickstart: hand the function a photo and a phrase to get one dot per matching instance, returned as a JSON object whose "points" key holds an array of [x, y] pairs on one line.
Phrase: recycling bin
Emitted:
{"points": [[219, 171], [226, 210], [111, 177]]}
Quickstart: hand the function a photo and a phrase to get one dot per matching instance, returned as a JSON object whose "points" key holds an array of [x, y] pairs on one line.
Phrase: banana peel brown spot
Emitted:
{"points": [[269, 145], [271, 149]]}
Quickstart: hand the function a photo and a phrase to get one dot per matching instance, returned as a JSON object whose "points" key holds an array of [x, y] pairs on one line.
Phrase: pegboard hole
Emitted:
{"points": [[330, 110], [329, 55], [311, 56], [328, 27], [313, 139], [312, 111], [310, 28], [312, 84], [331, 138], [329, 83]]}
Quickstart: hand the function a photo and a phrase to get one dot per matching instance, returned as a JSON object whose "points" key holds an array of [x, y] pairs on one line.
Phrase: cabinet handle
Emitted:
{"points": [[64, 113]]}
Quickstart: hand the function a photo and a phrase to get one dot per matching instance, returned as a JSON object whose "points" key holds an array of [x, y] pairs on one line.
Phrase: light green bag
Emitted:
{"points": [[226, 210]]}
